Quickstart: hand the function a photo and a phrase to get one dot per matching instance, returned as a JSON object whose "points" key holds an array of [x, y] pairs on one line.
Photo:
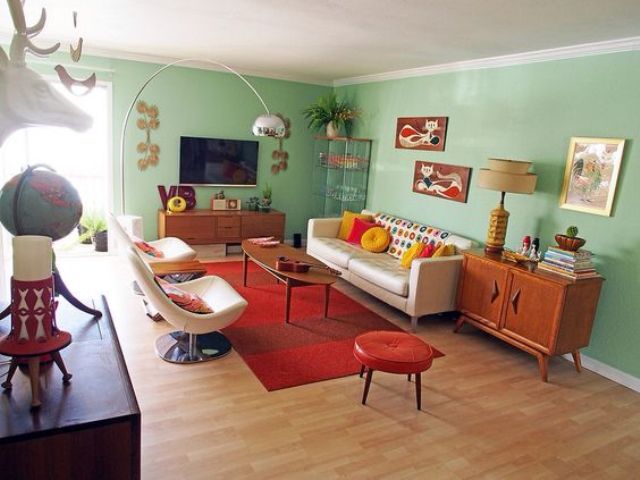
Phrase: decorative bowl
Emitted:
{"points": [[570, 243]]}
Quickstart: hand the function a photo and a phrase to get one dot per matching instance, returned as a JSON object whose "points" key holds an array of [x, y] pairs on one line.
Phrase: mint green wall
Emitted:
{"points": [[203, 103], [524, 112], [213, 104]]}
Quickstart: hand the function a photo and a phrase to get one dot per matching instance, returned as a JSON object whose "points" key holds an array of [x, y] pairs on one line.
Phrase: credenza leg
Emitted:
{"points": [[577, 360], [459, 324], [543, 365]]}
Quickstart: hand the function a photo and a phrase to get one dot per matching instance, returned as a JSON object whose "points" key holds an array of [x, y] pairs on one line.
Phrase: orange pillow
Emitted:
{"points": [[413, 252], [445, 251], [347, 223], [358, 229]]}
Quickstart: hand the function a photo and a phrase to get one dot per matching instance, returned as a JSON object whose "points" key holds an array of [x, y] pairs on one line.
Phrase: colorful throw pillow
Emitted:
{"points": [[148, 249], [413, 252], [347, 223], [445, 251], [185, 300], [405, 233], [428, 251], [359, 227], [375, 240]]}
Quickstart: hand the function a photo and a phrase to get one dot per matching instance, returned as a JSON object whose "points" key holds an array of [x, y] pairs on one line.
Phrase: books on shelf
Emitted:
{"points": [[574, 265]]}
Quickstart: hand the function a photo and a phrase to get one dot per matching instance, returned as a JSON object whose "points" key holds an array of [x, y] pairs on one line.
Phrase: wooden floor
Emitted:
{"points": [[485, 412]]}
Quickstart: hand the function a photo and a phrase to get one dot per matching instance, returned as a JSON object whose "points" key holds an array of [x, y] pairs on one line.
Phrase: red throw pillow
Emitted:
{"points": [[148, 249], [428, 251], [357, 230], [185, 300]]}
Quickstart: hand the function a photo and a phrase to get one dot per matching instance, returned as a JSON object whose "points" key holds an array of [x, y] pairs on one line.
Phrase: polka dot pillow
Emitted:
{"points": [[405, 233]]}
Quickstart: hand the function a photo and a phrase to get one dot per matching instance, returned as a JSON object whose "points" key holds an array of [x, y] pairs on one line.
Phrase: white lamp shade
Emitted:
{"points": [[268, 125], [507, 176]]}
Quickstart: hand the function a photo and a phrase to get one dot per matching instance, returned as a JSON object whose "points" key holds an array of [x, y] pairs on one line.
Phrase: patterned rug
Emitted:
{"points": [[308, 349]]}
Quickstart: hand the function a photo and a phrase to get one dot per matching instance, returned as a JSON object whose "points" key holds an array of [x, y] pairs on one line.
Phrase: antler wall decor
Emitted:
{"points": [[26, 99]]}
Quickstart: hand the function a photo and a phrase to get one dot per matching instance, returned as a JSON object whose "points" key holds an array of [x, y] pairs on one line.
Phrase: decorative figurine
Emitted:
{"points": [[534, 254], [526, 245], [219, 195]]}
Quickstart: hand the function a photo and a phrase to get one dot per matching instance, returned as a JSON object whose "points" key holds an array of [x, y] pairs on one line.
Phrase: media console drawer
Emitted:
{"points": [[200, 226]]}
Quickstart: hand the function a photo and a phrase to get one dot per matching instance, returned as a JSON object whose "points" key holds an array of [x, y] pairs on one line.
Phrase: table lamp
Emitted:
{"points": [[504, 176]]}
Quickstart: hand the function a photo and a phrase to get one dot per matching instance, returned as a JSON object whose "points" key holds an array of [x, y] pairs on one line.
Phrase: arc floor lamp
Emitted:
{"points": [[266, 125]]}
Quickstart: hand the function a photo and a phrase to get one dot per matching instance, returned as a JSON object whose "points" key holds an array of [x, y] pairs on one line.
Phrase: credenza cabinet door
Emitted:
{"points": [[483, 290], [533, 308]]}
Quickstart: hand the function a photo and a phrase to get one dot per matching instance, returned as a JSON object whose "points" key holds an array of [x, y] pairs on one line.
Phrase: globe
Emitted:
{"points": [[48, 204]]}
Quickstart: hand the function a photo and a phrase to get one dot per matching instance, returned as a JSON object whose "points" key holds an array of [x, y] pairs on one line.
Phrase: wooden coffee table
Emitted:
{"points": [[266, 257]]}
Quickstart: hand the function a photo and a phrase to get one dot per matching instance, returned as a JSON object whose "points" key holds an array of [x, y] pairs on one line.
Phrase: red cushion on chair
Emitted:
{"points": [[394, 352], [357, 230], [147, 248], [186, 300]]}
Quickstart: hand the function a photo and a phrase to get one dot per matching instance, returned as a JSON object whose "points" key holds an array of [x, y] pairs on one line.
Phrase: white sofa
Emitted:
{"points": [[429, 286]]}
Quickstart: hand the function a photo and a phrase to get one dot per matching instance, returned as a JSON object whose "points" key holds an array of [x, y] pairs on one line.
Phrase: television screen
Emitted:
{"points": [[216, 161]]}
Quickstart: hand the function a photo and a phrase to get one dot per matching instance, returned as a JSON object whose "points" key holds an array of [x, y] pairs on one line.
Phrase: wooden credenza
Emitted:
{"points": [[538, 312], [201, 227], [88, 429]]}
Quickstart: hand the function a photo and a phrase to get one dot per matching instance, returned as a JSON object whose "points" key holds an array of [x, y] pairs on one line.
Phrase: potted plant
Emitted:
{"points": [[265, 203], [95, 229], [252, 203], [570, 241], [332, 114]]}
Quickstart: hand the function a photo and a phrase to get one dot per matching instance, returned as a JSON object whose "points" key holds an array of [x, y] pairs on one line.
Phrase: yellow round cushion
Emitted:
{"points": [[176, 204], [375, 240]]}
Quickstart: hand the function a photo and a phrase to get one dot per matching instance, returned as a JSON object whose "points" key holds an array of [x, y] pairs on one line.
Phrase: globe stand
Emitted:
{"points": [[60, 288]]}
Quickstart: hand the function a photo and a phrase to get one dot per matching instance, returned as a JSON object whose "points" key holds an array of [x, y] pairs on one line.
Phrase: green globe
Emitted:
{"points": [[48, 205]]}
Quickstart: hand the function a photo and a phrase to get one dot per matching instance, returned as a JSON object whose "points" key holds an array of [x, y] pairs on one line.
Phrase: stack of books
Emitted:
{"points": [[575, 265]]}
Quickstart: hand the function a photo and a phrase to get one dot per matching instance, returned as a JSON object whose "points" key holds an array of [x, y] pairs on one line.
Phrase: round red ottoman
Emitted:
{"points": [[393, 352]]}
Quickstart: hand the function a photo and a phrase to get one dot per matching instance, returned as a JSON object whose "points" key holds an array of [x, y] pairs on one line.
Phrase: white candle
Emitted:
{"points": [[32, 257]]}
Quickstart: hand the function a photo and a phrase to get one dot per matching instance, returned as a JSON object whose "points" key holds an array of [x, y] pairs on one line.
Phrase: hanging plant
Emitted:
{"points": [[147, 122]]}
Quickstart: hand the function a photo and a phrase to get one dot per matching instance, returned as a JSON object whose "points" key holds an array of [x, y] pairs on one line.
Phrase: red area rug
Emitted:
{"points": [[308, 349]]}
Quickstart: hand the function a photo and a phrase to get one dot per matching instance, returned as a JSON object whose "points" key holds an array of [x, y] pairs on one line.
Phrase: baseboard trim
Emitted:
{"points": [[608, 371]]}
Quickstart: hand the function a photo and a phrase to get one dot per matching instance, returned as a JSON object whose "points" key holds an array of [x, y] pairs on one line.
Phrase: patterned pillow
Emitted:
{"points": [[148, 249], [185, 300], [405, 233]]}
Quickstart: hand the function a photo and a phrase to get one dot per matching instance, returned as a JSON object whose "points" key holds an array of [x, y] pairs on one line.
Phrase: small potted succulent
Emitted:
{"points": [[265, 203], [94, 227], [570, 240]]}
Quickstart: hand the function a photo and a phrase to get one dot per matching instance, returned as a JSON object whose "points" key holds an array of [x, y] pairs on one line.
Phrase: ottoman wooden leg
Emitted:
{"points": [[361, 371], [408, 377], [418, 390], [367, 384]]}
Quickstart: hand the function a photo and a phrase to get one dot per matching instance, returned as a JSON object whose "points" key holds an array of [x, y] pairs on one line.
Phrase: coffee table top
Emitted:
{"points": [[266, 257]]}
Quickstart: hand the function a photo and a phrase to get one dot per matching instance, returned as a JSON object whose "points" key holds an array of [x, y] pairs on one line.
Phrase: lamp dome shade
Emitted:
{"points": [[268, 125], [507, 176]]}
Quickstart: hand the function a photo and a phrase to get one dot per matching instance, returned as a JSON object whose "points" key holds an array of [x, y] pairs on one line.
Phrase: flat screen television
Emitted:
{"points": [[219, 162]]}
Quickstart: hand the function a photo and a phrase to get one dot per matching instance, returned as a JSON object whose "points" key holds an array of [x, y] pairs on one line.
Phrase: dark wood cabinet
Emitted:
{"points": [[88, 429], [201, 227], [538, 312]]}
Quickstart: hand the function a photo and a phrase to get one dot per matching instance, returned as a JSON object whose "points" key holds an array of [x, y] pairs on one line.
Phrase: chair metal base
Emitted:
{"points": [[181, 347]]}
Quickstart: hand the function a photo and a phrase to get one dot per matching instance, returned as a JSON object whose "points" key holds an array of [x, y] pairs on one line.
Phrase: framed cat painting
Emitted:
{"points": [[421, 133], [442, 180]]}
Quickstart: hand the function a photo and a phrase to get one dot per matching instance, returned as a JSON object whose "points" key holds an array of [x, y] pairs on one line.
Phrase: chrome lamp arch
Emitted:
{"points": [[265, 125]]}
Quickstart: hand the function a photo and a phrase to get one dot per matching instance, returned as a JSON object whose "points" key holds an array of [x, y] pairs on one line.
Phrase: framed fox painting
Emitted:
{"points": [[442, 180]]}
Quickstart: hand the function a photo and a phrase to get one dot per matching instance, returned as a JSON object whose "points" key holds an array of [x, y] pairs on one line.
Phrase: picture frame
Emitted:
{"points": [[421, 133], [441, 180], [591, 174]]}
